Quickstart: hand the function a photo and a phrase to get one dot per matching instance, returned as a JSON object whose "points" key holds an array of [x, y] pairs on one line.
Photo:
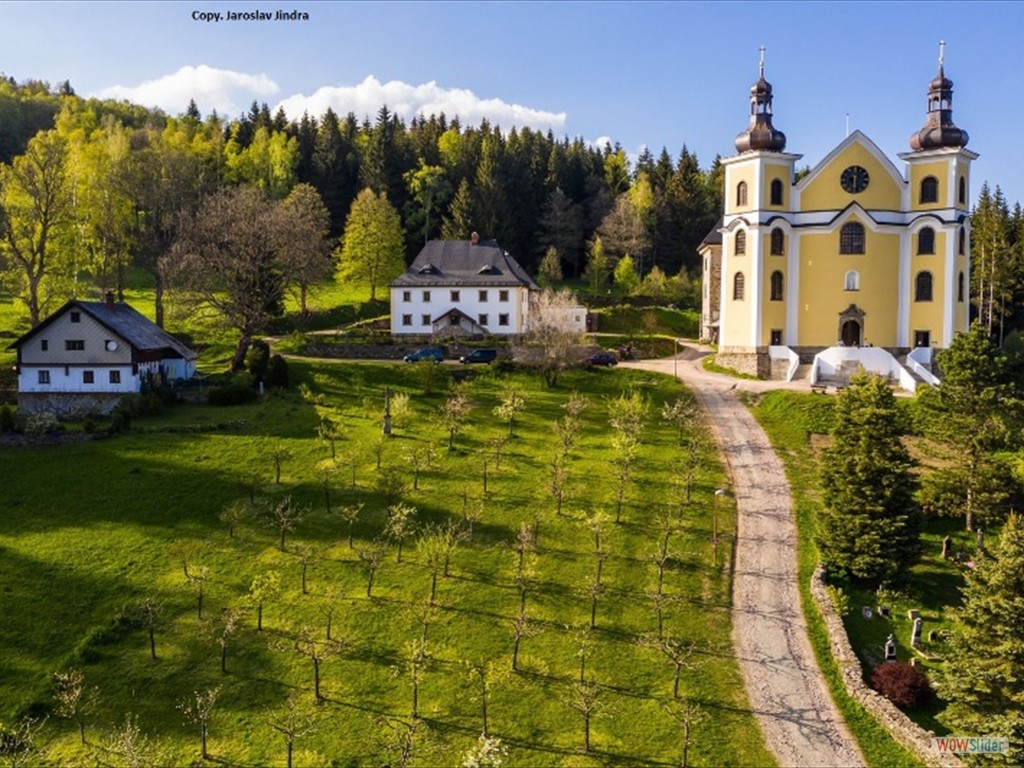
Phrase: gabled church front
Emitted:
{"points": [[854, 256]]}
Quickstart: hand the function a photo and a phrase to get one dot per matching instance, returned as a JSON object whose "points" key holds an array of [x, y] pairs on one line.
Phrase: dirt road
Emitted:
{"points": [[784, 684]]}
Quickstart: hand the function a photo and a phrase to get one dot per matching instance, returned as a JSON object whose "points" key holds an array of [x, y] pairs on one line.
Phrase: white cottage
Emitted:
{"points": [[457, 287], [88, 354]]}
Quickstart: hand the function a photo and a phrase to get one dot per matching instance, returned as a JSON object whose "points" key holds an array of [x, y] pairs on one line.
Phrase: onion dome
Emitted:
{"points": [[760, 134], [939, 130]]}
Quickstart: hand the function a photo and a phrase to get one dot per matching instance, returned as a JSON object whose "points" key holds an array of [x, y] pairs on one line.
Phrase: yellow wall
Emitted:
{"points": [[736, 332], [783, 174], [824, 192], [737, 173], [960, 316], [963, 168], [822, 295], [773, 314], [927, 315], [920, 171]]}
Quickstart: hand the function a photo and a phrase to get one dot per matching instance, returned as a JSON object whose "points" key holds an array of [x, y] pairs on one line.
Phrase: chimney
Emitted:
{"points": [[474, 239], [109, 298]]}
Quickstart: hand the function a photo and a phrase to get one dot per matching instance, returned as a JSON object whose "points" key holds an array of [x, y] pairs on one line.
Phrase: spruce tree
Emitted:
{"points": [[870, 525], [983, 678]]}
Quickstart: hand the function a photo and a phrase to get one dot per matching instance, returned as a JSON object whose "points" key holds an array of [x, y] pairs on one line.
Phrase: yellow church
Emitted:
{"points": [[854, 263]]}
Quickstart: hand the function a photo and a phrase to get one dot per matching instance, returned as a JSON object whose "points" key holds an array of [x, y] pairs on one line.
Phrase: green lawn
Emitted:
{"points": [[90, 528]]}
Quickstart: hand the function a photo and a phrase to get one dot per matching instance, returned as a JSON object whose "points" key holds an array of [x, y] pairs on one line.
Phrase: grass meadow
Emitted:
{"points": [[90, 528]]}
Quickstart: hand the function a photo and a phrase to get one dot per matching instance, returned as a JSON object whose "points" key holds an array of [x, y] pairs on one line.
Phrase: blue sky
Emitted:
{"points": [[655, 74]]}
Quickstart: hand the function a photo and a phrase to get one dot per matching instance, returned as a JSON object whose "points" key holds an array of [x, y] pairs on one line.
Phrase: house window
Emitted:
{"points": [[922, 338], [776, 193], [426, 297], [776, 286], [737, 287], [960, 288], [778, 244], [923, 286], [851, 238], [741, 193], [482, 319], [483, 295], [961, 241], [44, 377], [406, 296], [962, 192], [87, 377], [454, 295], [74, 345], [406, 319], [929, 190], [502, 295], [776, 340], [851, 282], [76, 317], [503, 319], [741, 243], [425, 320], [44, 345], [926, 241], [115, 377]]}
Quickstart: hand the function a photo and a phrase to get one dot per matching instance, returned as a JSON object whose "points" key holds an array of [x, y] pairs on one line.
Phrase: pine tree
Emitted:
{"points": [[869, 526], [458, 224], [983, 679]]}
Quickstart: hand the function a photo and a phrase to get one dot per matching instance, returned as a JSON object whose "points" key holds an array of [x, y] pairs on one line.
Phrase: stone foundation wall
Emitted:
{"points": [[904, 730], [69, 405], [751, 362]]}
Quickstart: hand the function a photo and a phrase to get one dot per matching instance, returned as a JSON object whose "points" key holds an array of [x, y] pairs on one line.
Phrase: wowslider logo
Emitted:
{"points": [[971, 745]]}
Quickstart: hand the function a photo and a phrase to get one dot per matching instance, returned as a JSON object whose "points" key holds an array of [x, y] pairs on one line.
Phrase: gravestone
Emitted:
{"points": [[913, 613], [890, 649], [945, 547], [884, 612], [981, 539], [915, 635], [865, 612]]}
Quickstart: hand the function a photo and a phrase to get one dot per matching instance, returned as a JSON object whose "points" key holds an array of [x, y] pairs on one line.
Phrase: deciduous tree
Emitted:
{"points": [[373, 246]]}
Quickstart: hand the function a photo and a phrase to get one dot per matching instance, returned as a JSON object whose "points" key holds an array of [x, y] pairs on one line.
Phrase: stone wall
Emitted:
{"points": [[904, 730], [751, 363]]}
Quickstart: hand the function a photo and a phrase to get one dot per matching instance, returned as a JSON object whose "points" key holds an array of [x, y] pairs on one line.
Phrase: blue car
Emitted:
{"points": [[427, 353], [480, 356]]}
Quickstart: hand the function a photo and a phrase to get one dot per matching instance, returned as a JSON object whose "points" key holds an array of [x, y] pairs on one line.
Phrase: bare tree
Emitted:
{"points": [[235, 513], [317, 650], [521, 627], [511, 405], [417, 657], [558, 482], [327, 470], [687, 714], [625, 453], [497, 445], [327, 605], [435, 549], [284, 515], [198, 710], [371, 557], [294, 722], [676, 651], [417, 460], [483, 676], [402, 743], [279, 456], [553, 338], [149, 614], [585, 698], [684, 413], [453, 413], [197, 579], [74, 700], [350, 513], [20, 742], [133, 748], [308, 554], [327, 430], [230, 618], [401, 524]]}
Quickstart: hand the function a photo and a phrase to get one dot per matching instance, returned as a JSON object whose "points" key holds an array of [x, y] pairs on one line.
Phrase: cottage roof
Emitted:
{"points": [[464, 263], [124, 321]]}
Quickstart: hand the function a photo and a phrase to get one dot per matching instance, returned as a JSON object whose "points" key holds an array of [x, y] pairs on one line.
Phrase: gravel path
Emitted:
{"points": [[786, 689]]}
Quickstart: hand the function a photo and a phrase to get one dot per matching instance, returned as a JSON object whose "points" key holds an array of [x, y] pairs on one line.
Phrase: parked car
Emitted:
{"points": [[427, 353], [479, 356], [603, 358]]}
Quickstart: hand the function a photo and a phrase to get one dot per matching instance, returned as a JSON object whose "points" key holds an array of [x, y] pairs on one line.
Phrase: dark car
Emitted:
{"points": [[603, 358], [479, 356], [427, 353]]}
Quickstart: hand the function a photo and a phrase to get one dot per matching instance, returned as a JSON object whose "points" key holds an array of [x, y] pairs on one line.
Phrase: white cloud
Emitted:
{"points": [[227, 91], [408, 101]]}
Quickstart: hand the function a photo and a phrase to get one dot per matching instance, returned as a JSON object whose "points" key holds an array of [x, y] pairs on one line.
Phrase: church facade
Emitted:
{"points": [[855, 254]]}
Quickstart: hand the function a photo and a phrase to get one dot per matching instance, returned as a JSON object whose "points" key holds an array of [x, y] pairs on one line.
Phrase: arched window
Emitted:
{"points": [[741, 243], [960, 288], [961, 241], [851, 238], [962, 191], [776, 192], [776, 286], [778, 245], [741, 193], [851, 282], [926, 240], [923, 286], [929, 189], [737, 287]]}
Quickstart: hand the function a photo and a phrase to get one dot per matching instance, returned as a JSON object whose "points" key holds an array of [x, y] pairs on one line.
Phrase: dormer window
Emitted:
{"points": [[427, 269], [76, 317], [487, 269]]}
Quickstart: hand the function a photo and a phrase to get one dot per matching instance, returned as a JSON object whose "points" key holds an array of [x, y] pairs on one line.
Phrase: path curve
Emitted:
{"points": [[786, 688]]}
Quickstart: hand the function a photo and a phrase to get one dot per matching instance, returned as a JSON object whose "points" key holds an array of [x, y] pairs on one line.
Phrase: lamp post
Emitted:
{"points": [[714, 522]]}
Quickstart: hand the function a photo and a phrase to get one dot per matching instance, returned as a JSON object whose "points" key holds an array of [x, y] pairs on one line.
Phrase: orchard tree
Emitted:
{"points": [[198, 710], [552, 334], [453, 413], [373, 246], [870, 526], [294, 722], [983, 677], [74, 700], [264, 587], [149, 615], [511, 405], [284, 515]]}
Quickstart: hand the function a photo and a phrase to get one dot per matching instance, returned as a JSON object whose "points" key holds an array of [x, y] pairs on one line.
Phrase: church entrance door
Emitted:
{"points": [[851, 333]]}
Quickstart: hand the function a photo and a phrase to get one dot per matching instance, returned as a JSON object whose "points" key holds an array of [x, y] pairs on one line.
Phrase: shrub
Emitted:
{"points": [[905, 686], [6, 419], [41, 424], [258, 359], [277, 372], [234, 393]]}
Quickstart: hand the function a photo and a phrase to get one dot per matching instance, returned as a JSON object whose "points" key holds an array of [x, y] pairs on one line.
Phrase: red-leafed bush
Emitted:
{"points": [[903, 685]]}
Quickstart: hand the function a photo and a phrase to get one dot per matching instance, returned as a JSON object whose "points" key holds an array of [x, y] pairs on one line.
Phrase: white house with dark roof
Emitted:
{"points": [[88, 354], [462, 287]]}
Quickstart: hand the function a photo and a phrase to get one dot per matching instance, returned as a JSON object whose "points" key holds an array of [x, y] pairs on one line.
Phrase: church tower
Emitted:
{"points": [[756, 230], [938, 186]]}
